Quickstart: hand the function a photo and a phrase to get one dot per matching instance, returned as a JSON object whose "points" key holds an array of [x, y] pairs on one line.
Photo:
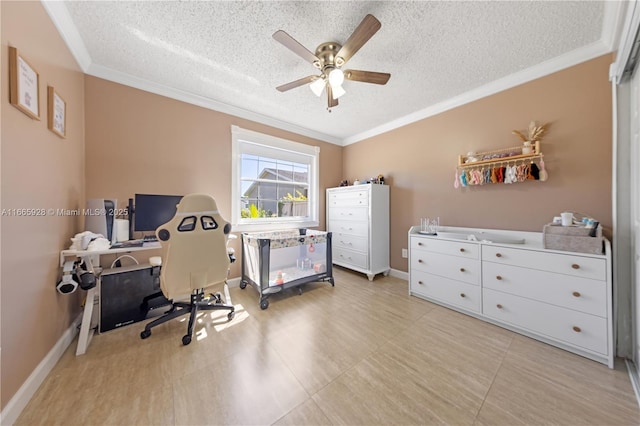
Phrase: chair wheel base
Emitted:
{"points": [[145, 333], [230, 315], [186, 339]]}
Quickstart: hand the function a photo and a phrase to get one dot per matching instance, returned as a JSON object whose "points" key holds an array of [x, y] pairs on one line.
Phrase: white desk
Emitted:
{"points": [[92, 260]]}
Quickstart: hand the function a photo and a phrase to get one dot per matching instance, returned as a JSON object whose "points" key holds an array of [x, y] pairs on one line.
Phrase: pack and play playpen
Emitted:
{"points": [[279, 260]]}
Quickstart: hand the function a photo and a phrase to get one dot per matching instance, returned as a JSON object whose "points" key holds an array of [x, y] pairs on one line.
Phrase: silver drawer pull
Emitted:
{"points": [[575, 266], [499, 306], [576, 294], [461, 269], [498, 255], [577, 329], [498, 277], [463, 295]]}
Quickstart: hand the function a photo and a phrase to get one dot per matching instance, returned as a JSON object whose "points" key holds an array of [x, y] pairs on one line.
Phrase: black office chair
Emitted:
{"points": [[194, 259]]}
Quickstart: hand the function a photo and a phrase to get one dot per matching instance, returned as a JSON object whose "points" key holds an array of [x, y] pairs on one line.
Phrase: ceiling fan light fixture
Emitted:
{"points": [[336, 77], [317, 86], [337, 91], [329, 58]]}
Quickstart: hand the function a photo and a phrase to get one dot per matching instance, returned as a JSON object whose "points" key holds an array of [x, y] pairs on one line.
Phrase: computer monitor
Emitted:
{"points": [[152, 210]]}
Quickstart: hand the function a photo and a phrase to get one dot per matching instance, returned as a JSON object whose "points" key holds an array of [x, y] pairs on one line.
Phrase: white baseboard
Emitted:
{"points": [[635, 379], [233, 282], [14, 407], [399, 274]]}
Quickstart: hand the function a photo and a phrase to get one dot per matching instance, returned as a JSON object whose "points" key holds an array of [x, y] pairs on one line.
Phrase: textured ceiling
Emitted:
{"points": [[222, 52]]}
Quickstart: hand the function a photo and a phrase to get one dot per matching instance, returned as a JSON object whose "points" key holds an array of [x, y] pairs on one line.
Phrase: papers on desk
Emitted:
{"points": [[151, 244]]}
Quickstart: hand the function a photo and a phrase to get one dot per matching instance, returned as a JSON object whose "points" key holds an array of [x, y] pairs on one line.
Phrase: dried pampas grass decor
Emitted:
{"points": [[534, 133]]}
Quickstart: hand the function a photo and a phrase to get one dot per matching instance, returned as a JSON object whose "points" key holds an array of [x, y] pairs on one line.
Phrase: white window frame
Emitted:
{"points": [[243, 140]]}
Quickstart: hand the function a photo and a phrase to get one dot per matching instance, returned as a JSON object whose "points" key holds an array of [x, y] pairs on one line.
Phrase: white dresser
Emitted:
{"points": [[561, 298], [358, 218]]}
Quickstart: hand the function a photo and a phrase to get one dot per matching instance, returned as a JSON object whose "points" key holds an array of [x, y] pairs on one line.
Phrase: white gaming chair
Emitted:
{"points": [[194, 259]]}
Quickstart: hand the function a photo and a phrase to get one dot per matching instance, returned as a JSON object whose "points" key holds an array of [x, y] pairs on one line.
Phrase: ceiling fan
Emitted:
{"points": [[329, 59]]}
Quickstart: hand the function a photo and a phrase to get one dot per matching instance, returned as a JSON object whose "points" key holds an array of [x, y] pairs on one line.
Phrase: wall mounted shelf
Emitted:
{"points": [[505, 155]]}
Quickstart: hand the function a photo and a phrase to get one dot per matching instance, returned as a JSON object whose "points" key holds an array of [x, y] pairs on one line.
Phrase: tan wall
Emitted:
{"points": [[141, 142], [138, 142], [39, 170], [419, 159]]}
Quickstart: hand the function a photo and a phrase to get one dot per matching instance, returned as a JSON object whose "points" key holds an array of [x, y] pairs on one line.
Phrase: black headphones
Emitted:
{"points": [[87, 280], [74, 275], [69, 282]]}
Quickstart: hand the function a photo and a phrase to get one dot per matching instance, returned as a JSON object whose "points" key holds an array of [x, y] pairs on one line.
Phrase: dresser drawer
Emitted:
{"points": [[454, 267], [454, 248], [355, 197], [580, 294], [351, 242], [349, 213], [579, 266], [352, 228], [346, 257], [446, 290], [574, 328]]}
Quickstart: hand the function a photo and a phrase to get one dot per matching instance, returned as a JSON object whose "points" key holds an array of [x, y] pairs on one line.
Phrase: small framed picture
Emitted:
{"points": [[56, 112], [24, 82]]}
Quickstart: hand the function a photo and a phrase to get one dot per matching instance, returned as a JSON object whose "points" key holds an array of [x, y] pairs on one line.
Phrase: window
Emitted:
{"points": [[274, 183]]}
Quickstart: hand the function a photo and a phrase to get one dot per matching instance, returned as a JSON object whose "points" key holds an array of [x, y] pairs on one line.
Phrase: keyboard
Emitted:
{"points": [[149, 238], [127, 244]]}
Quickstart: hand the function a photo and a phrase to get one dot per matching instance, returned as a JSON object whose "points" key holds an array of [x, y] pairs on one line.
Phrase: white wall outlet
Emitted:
{"points": [[405, 253]]}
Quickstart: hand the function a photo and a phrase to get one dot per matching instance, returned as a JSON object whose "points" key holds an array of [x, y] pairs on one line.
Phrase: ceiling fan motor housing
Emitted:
{"points": [[327, 53]]}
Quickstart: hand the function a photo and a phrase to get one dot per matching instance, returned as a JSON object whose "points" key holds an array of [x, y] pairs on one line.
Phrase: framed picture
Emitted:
{"points": [[24, 92], [56, 113]]}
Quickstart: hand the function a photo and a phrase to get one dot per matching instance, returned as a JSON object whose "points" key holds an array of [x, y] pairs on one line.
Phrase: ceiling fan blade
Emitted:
{"points": [[297, 48], [331, 102], [367, 76], [367, 28], [296, 83]]}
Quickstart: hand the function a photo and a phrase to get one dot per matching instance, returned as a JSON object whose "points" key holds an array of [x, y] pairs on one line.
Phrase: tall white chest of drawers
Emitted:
{"points": [[561, 298], [358, 218]]}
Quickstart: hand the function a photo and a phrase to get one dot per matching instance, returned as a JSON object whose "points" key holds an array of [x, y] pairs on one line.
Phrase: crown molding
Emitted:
{"points": [[204, 102], [543, 69], [61, 18], [611, 32]]}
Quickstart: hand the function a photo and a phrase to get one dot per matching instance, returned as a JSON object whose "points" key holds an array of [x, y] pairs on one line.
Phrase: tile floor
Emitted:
{"points": [[359, 353]]}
